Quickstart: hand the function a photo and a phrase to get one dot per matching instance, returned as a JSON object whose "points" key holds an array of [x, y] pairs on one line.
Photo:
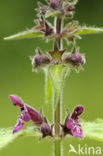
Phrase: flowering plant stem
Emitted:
{"points": [[57, 115], [56, 64], [57, 147]]}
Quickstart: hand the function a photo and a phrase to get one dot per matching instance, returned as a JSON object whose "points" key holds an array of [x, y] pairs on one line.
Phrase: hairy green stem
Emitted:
{"points": [[58, 45], [57, 119], [57, 148]]}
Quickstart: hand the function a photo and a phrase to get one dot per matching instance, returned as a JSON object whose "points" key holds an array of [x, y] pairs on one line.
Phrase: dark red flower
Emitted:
{"points": [[72, 123], [26, 113]]}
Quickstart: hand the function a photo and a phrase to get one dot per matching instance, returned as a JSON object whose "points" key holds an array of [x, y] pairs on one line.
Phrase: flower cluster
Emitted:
{"points": [[58, 56], [71, 126], [66, 9], [73, 59], [60, 9]]}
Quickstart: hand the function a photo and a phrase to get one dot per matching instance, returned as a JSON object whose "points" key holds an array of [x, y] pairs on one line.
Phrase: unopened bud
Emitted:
{"points": [[70, 8], [76, 59], [46, 129], [44, 26], [40, 60], [48, 30], [54, 4]]}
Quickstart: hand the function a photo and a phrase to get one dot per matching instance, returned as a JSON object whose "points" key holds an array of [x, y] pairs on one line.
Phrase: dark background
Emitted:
{"points": [[16, 75]]}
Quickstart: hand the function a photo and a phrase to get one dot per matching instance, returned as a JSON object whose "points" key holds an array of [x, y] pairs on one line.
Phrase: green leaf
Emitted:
{"points": [[25, 34], [6, 135], [88, 30], [57, 74], [52, 14], [93, 130], [48, 89]]}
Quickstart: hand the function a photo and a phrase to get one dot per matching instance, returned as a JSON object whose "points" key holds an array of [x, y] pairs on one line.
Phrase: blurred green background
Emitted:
{"points": [[16, 75]]}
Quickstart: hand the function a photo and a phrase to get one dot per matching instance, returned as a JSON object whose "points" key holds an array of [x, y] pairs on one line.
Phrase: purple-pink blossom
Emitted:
{"points": [[19, 125], [16, 101], [26, 113], [72, 123]]}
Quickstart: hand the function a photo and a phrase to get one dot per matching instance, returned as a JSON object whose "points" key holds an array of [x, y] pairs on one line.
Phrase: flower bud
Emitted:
{"points": [[44, 26], [70, 8], [75, 59], [78, 110], [42, 9], [46, 129], [48, 29], [40, 60], [54, 4]]}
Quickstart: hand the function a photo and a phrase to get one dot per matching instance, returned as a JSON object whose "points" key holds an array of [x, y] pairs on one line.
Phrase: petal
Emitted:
{"points": [[77, 131], [35, 116], [78, 110], [70, 123], [24, 115], [27, 112], [18, 126], [16, 101]]}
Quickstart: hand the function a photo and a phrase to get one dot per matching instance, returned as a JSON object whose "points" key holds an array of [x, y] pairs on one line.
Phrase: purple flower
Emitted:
{"points": [[26, 113], [78, 110], [72, 123], [19, 125], [16, 100], [77, 131]]}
